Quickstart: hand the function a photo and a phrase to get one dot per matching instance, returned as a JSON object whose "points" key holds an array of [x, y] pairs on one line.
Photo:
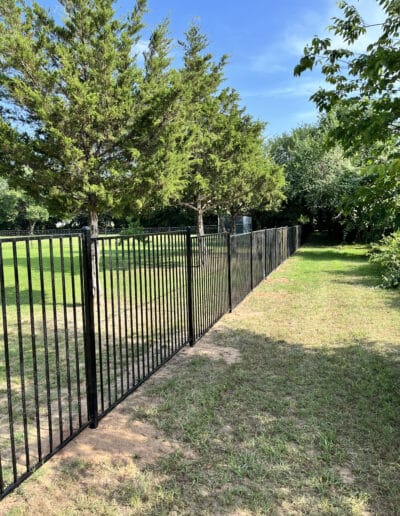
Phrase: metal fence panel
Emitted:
{"points": [[210, 281], [241, 260], [141, 309], [270, 250], [258, 256], [42, 364]]}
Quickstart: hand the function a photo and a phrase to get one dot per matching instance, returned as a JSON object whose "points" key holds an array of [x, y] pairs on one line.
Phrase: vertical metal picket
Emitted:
{"points": [[89, 333], [265, 254], [189, 278], [251, 261], [228, 244], [120, 305]]}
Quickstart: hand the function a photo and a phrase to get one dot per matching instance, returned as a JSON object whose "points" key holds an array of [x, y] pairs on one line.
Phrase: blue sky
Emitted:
{"points": [[264, 40]]}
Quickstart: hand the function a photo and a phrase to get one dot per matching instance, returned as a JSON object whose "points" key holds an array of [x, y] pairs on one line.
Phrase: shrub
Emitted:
{"points": [[386, 253], [134, 228]]}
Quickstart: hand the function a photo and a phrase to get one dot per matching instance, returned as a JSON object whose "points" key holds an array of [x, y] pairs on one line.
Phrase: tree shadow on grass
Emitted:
{"points": [[330, 254], [322, 247], [367, 274], [362, 272], [287, 428]]}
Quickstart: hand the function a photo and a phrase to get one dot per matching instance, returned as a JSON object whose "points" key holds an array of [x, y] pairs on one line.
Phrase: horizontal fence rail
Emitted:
{"points": [[84, 321], [102, 230]]}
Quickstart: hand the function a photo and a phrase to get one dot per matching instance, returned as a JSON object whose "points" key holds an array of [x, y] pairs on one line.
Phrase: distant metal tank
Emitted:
{"points": [[243, 224]]}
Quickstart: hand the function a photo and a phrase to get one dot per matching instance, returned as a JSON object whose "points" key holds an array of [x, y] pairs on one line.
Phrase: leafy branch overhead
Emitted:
{"points": [[365, 86], [363, 106]]}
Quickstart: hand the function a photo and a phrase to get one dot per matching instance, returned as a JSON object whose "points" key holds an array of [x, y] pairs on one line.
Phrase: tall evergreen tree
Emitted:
{"points": [[80, 112], [201, 77], [228, 169], [247, 178]]}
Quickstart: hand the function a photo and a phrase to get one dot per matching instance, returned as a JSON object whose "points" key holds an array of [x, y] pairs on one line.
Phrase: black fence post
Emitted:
{"points": [[189, 267], [89, 333], [251, 261], [228, 244], [265, 253]]}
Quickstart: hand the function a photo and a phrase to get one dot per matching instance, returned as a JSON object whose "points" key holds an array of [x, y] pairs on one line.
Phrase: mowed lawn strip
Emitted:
{"points": [[289, 405]]}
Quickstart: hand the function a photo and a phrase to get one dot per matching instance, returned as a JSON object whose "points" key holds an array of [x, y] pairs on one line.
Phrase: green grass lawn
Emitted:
{"points": [[290, 405]]}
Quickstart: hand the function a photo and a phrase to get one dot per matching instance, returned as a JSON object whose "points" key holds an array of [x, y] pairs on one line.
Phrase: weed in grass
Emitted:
{"points": [[74, 469]]}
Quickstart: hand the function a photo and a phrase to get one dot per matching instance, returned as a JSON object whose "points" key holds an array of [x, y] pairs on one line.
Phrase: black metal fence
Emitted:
{"points": [[85, 321], [4, 233]]}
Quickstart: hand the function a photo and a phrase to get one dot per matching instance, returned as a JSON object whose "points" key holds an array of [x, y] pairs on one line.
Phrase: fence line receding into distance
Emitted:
{"points": [[85, 321]]}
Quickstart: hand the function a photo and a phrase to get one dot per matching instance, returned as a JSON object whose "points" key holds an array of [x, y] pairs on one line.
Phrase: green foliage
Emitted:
{"points": [[317, 177], [173, 216], [89, 130], [228, 169], [371, 206], [248, 178], [34, 213], [200, 116], [8, 204], [364, 85], [387, 254], [19, 209], [95, 124], [364, 110], [134, 228]]}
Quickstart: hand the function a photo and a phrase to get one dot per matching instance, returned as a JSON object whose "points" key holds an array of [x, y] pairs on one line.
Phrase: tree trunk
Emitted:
{"points": [[221, 224], [94, 233], [233, 222], [31, 227], [94, 223], [200, 233], [200, 219]]}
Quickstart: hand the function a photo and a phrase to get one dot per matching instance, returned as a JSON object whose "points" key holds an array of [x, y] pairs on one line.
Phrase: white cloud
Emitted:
{"points": [[296, 88], [312, 24], [268, 62], [141, 46], [306, 116], [277, 56], [281, 55]]}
